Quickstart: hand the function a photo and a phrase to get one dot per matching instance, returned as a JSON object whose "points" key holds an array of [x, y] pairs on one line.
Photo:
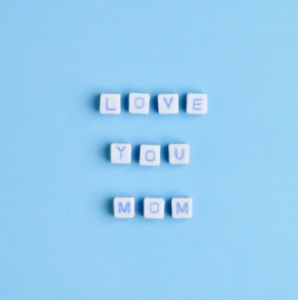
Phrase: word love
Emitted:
{"points": [[150, 154], [139, 103], [154, 208]]}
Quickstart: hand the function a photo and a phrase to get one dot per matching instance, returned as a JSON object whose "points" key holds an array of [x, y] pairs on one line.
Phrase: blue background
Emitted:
{"points": [[58, 238]]}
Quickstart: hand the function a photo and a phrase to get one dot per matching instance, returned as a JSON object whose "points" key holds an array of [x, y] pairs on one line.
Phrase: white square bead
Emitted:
{"points": [[154, 208], [120, 153], [196, 104], [150, 155], [110, 104], [181, 208], [124, 207], [168, 103], [139, 103], [179, 154]]}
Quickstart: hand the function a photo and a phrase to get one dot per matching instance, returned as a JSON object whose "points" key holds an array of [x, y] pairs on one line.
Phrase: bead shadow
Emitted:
{"points": [[136, 153], [182, 103], [164, 153], [154, 104], [107, 152], [140, 207], [168, 208], [125, 102], [109, 207], [94, 103]]}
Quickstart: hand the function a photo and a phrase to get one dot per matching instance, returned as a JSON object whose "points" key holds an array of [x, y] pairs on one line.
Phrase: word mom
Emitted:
{"points": [[139, 103], [150, 154], [154, 208]]}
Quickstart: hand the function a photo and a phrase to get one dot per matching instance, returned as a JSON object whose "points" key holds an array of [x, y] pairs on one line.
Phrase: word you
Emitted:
{"points": [[150, 154], [139, 103], [154, 208]]}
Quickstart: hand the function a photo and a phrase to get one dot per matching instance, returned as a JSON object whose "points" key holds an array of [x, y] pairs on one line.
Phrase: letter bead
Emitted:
{"points": [[179, 154], [124, 207], [196, 104], [139, 103], [181, 208], [168, 103], [154, 208], [120, 153], [150, 155], [110, 104]]}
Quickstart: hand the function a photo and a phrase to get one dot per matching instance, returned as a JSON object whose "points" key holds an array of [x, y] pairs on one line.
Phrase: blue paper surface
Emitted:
{"points": [[58, 237]]}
